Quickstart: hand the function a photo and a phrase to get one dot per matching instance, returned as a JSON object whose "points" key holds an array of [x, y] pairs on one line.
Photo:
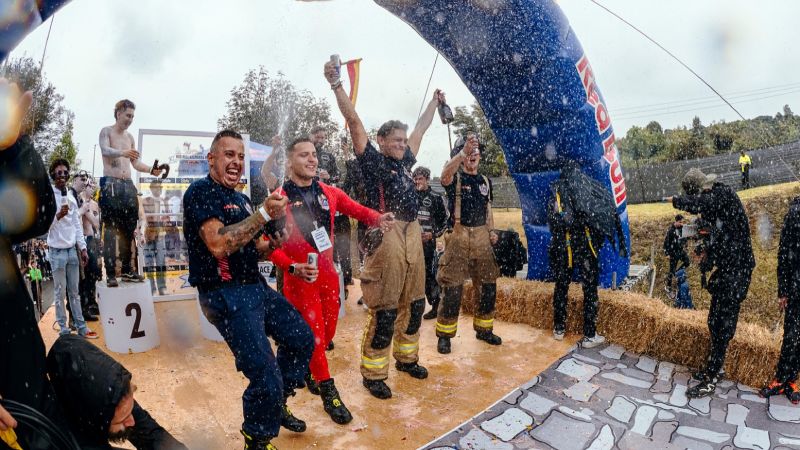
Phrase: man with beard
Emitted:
{"points": [[394, 269], [225, 239], [118, 196], [96, 395], [314, 290], [432, 217], [468, 250]]}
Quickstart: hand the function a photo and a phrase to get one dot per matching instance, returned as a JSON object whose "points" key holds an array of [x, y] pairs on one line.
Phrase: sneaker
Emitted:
{"points": [[332, 403], [89, 334], [702, 389], [290, 422], [133, 277], [112, 282], [413, 369], [792, 392], [559, 335], [443, 346], [377, 388], [430, 314], [591, 342], [254, 443], [774, 387], [311, 384], [489, 337]]}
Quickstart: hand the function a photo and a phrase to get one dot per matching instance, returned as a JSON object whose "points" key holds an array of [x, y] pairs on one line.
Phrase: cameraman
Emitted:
{"points": [[728, 252]]}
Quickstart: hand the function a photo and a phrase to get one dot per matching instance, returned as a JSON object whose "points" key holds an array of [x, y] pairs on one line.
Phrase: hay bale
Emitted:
{"points": [[641, 325]]}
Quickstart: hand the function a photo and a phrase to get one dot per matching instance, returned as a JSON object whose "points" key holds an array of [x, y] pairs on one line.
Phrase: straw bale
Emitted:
{"points": [[641, 325]]}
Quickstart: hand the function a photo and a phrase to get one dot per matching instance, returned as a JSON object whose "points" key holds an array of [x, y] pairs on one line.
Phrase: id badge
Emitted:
{"points": [[321, 239]]}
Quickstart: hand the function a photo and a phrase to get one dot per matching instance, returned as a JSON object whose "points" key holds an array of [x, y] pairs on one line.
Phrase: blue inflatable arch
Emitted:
{"points": [[524, 65]]}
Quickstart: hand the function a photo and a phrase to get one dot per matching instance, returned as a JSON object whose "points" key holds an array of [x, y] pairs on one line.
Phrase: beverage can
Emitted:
{"points": [[337, 63], [312, 259]]}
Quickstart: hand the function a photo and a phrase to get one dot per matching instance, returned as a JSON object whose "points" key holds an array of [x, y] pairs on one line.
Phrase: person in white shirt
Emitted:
{"points": [[65, 233]]}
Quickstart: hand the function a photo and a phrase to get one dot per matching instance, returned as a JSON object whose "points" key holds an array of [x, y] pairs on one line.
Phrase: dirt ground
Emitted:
{"points": [[189, 384]]}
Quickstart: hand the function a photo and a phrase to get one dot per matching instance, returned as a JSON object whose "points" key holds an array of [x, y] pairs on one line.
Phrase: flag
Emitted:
{"points": [[353, 71]]}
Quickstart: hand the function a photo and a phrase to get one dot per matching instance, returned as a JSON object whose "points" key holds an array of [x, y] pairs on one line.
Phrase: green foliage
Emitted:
{"points": [[651, 144], [48, 118], [66, 148], [472, 118], [265, 105]]}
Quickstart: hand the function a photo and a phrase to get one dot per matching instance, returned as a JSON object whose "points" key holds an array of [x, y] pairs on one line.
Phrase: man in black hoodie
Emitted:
{"points": [[728, 252], [96, 394], [22, 352]]}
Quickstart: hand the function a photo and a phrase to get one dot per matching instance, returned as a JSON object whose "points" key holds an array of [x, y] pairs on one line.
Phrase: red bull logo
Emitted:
{"points": [[603, 120]]}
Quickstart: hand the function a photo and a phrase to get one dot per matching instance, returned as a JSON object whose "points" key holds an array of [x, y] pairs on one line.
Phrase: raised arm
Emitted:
{"points": [[424, 122], [357, 132], [452, 166]]}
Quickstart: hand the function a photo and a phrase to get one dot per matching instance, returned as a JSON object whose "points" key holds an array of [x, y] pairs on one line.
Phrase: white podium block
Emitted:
{"points": [[208, 330], [128, 317]]}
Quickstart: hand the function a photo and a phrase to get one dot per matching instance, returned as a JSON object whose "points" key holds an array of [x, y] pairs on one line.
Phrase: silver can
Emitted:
{"points": [[312, 259], [337, 63]]}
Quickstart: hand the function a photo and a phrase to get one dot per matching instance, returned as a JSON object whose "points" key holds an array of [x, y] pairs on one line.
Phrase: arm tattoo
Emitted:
{"points": [[239, 234]]}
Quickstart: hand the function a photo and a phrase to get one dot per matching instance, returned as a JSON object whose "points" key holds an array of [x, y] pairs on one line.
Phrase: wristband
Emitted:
{"points": [[264, 213], [335, 85]]}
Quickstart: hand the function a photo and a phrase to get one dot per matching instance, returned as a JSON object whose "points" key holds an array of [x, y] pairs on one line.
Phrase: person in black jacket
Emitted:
{"points": [[789, 300], [432, 217], [23, 377], [675, 251], [96, 395], [727, 251]]}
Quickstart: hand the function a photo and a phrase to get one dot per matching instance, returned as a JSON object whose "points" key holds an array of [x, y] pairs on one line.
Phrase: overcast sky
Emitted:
{"points": [[179, 59]]}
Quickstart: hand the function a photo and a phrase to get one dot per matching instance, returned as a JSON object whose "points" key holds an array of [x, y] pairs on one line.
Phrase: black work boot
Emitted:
{"points": [[311, 384], [705, 388], [288, 420], [443, 346], [333, 403], [433, 312], [257, 443], [489, 337], [377, 388], [413, 369]]}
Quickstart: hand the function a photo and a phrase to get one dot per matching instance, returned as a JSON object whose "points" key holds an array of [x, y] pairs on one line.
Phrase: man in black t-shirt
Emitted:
{"points": [[393, 277], [432, 217], [225, 242], [468, 249]]}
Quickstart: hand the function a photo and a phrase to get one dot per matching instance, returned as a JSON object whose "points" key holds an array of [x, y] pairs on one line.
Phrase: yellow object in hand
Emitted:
{"points": [[10, 438]]}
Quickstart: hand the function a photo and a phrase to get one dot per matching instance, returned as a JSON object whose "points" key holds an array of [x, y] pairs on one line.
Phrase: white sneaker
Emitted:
{"points": [[558, 335], [592, 341]]}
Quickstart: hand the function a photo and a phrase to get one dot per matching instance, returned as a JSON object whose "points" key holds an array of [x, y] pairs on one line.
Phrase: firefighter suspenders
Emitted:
{"points": [[457, 207], [569, 245]]}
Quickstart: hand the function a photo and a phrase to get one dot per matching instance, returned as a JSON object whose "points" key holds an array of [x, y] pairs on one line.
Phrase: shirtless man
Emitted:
{"points": [[118, 196]]}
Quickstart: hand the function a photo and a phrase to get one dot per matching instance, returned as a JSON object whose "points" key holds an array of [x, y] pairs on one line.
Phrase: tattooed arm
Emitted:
{"points": [[224, 240]]}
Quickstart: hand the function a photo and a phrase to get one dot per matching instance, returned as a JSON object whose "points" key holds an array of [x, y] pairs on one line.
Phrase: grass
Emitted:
{"points": [[765, 206]]}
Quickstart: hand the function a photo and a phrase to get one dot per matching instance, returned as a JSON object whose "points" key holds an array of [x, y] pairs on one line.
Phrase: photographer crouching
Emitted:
{"points": [[726, 252]]}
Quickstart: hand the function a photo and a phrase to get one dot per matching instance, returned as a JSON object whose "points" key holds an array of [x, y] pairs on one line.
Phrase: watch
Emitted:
{"points": [[292, 269]]}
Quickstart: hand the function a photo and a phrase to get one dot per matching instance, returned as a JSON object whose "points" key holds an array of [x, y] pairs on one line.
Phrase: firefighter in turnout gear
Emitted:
{"points": [[432, 217], [392, 280], [468, 249]]}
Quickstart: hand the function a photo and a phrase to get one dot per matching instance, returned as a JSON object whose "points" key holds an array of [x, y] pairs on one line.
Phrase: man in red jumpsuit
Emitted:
{"points": [[314, 291]]}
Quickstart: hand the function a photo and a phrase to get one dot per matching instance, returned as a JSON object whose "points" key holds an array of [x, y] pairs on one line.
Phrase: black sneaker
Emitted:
{"points": [[377, 388], [775, 387], [413, 369], [430, 314], [332, 403], [111, 282], [311, 384], [443, 346], [489, 337], [133, 277], [290, 422], [702, 389], [254, 443], [792, 392]]}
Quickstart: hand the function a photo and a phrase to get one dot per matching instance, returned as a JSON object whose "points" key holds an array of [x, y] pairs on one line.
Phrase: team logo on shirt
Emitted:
{"points": [[427, 202], [484, 190], [323, 202], [230, 206]]}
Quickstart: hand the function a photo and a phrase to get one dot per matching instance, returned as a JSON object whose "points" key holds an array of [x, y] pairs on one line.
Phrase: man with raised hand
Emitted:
{"points": [[393, 278]]}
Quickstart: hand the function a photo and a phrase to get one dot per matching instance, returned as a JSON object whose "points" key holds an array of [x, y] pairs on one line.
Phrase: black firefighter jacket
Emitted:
{"points": [[789, 254]]}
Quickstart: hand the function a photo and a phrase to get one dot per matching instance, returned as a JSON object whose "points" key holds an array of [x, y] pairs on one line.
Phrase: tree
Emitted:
{"points": [[48, 118], [472, 118], [264, 106], [66, 148], [787, 112]]}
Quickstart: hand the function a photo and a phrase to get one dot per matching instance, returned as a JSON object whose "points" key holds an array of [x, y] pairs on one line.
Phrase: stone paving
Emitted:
{"points": [[607, 398]]}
